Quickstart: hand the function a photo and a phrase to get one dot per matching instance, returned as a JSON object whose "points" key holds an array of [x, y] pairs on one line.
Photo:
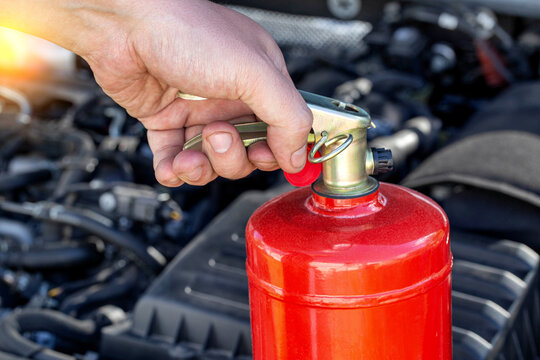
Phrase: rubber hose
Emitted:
{"points": [[521, 8], [28, 320], [22, 101], [11, 182], [17, 231], [136, 249], [55, 256], [101, 277], [418, 135], [82, 147], [123, 240], [390, 81], [98, 294]]}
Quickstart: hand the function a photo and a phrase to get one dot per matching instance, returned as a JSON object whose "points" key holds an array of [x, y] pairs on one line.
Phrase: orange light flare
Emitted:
{"points": [[24, 55]]}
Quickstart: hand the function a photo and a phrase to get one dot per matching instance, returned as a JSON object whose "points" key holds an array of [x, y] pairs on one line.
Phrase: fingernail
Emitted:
{"points": [[220, 142], [194, 174], [298, 158]]}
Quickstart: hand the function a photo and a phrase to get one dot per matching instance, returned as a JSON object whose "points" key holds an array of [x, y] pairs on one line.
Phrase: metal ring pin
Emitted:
{"points": [[324, 141]]}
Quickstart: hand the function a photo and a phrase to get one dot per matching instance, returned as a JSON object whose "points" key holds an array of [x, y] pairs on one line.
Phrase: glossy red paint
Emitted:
{"points": [[365, 278]]}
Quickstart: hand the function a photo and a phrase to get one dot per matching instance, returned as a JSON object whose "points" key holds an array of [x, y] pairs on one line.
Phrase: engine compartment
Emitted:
{"points": [[99, 261]]}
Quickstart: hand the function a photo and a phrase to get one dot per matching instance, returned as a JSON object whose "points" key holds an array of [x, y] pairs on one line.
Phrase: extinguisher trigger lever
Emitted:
{"points": [[339, 135]]}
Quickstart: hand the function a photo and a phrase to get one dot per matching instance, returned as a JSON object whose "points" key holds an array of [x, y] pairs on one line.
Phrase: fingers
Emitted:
{"points": [[166, 137], [185, 113], [172, 166], [193, 131], [165, 145], [225, 150], [273, 98], [224, 155], [193, 168], [260, 155]]}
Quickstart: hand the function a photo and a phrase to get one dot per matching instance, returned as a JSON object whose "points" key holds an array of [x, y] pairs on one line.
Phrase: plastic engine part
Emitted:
{"points": [[198, 308]]}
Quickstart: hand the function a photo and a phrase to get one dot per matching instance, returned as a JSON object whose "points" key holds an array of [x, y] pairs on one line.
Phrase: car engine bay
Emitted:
{"points": [[99, 261]]}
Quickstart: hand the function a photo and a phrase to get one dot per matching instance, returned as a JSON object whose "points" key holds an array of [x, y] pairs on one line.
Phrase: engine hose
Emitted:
{"points": [[492, 60], [28, 320], [520, 8], [98, 294], [11, 182], [391, 81], [137, 251], [10, 137], [82, 149], [81, 143], [433, 16], [16, 230], [119, 160], [422, 15], [103, 276], [22, 102], [10, 146], [418, 135], [55, 256]]}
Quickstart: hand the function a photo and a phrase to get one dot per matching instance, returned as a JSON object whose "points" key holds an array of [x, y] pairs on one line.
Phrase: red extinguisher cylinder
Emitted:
{"points": [[364, 278]]}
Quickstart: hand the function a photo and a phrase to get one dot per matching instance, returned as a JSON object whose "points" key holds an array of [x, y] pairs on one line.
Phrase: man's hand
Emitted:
{"points": [[142, 53]]}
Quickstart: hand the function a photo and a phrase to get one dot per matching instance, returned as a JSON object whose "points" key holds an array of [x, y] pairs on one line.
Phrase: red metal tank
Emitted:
{"points": [[343, 279]]}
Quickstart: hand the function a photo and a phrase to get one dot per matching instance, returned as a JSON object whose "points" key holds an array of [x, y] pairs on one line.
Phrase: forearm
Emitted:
{"points": [[143, 52], [75, 25]]}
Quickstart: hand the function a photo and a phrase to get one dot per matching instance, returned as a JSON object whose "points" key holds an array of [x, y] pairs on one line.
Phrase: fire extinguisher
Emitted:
{"points": [[347, 268]]}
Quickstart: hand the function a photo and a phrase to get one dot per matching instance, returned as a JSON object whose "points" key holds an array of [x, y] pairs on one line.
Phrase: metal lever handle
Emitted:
{"points": [[250, 133], [345, 175], [253, 132]]}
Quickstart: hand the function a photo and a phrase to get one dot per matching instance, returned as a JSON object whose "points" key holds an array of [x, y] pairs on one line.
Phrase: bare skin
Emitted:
{"points": [[142, 53]]}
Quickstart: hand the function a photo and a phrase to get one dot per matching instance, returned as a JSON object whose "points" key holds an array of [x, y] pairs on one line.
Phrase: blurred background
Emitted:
{"points": [[94, 255]]}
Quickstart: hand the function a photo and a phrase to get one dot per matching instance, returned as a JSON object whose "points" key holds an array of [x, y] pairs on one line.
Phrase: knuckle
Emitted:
{"points": [[305, 119]]}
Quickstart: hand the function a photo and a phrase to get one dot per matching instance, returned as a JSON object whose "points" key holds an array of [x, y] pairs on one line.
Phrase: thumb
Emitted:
{"points": [[275, 100]]}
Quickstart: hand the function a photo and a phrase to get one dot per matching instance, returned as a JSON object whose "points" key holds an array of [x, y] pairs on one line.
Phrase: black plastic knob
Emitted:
{"points": [[382, 161]]}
